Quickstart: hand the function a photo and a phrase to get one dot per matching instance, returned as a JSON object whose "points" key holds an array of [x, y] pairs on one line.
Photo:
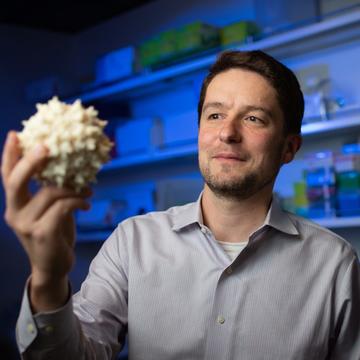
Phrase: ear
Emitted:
{"points": [[291, 146]]}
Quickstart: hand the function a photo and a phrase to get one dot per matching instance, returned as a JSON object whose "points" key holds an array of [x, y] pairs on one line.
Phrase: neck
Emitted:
{"points": [[231, 219]]}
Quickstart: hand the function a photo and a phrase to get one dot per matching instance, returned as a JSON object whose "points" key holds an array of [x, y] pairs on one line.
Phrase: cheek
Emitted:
{"points": [[206, 138], [261, 143]]}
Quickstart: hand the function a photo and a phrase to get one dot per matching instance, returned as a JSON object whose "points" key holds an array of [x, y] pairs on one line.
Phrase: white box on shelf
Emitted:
{"points": [[347, 162], [136, 136], [115, 65], [180, 129]]}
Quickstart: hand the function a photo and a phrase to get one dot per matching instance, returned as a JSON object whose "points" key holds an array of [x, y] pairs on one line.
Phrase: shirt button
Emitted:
{"points": [[30, 328], [203, 230], [220, 319], [49, 329], [229, 270]]}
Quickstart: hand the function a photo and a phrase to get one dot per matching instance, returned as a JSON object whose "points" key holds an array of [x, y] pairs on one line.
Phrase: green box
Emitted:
{"points": [[158, 49], [348, 181], [177, 43], [148, 52], [167, 45], [196, 37], [238, 32]]}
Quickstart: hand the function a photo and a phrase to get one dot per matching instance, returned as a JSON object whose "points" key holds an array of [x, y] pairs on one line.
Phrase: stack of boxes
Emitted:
{"points": [[347, 167], [331, 186], [321, 184]]}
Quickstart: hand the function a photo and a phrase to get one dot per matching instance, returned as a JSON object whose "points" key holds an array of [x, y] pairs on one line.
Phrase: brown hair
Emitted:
{"points": [[281, 78]]}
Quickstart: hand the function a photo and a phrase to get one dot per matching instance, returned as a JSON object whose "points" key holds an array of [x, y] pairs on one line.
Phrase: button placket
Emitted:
{"points": [[30, 328]]}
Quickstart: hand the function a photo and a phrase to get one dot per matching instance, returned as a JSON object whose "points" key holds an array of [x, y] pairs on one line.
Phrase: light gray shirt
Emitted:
{"points": [[293, 293]]}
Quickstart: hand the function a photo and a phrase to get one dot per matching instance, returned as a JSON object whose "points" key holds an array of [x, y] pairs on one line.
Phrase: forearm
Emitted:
{"points": [[47, 294]]}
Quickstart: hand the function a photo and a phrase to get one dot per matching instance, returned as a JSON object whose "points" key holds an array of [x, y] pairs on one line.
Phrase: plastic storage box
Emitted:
{"points": [[238, 32], [180, 129], [115, 65], [135, 136], [196, 37]]}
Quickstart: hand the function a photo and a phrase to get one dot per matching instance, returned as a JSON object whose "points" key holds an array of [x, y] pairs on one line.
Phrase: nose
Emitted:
{"points": [[229, 131]]}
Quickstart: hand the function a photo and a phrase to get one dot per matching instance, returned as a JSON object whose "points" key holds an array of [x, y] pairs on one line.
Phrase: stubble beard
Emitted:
{"points": [[240, 187]]}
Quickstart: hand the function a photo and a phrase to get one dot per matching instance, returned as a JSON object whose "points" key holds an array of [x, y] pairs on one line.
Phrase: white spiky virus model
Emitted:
{"points": [[75, 139]]}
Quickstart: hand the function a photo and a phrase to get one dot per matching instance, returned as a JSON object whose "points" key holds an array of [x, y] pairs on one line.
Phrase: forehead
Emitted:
{"points": [[241, 82]]}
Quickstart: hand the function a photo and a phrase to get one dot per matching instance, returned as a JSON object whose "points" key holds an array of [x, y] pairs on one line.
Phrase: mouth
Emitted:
{"points": [[226, 156]]}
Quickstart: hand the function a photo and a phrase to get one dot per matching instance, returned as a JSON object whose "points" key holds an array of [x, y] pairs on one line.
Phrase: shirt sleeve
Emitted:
{"points": [[347, 335], [92, 324]]}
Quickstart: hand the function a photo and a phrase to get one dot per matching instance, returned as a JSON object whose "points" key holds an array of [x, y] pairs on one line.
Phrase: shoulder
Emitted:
{"points": [[158, 221], [322, 238]]}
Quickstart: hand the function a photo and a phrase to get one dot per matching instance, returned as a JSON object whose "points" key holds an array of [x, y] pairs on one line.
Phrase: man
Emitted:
{"points": [[231, 276]]}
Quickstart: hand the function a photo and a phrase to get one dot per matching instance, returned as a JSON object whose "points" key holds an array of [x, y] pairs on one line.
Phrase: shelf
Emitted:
{"points": [[339, 222], [343, 123], [155, 156], [321, 34]]}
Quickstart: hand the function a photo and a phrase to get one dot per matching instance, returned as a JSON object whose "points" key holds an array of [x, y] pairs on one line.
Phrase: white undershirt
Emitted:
{"points": [[233, 249]]}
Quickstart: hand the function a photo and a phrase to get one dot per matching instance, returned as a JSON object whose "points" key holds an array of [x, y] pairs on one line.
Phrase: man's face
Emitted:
{"points": [[241, 138]]}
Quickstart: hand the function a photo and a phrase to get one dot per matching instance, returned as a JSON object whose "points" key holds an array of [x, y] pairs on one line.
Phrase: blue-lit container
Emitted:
{"points": [[137, 136], [180, 129], [115, 65], [320, 184]]}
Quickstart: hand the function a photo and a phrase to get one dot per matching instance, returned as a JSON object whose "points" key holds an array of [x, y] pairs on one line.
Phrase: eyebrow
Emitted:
{"points": [[216, 105], [260, 108], [221, 105]]}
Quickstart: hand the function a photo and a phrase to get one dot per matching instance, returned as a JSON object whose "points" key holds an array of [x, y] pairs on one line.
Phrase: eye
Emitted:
{"points": [[254, 120], [215, 116]]}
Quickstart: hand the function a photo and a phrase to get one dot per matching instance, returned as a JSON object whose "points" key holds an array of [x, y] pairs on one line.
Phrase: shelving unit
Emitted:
{"points": [[313, 37], [318, 35], [339, 222]]}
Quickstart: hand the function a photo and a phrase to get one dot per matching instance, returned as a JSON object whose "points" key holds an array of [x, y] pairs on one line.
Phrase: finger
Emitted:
{"points": [[55, 219], [19, 178], [46, 197], [10, 155]]}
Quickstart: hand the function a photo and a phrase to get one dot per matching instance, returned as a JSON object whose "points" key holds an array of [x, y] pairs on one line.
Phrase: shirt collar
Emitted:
{"points": [[280, 219], [188, 214], [276, 217]]}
